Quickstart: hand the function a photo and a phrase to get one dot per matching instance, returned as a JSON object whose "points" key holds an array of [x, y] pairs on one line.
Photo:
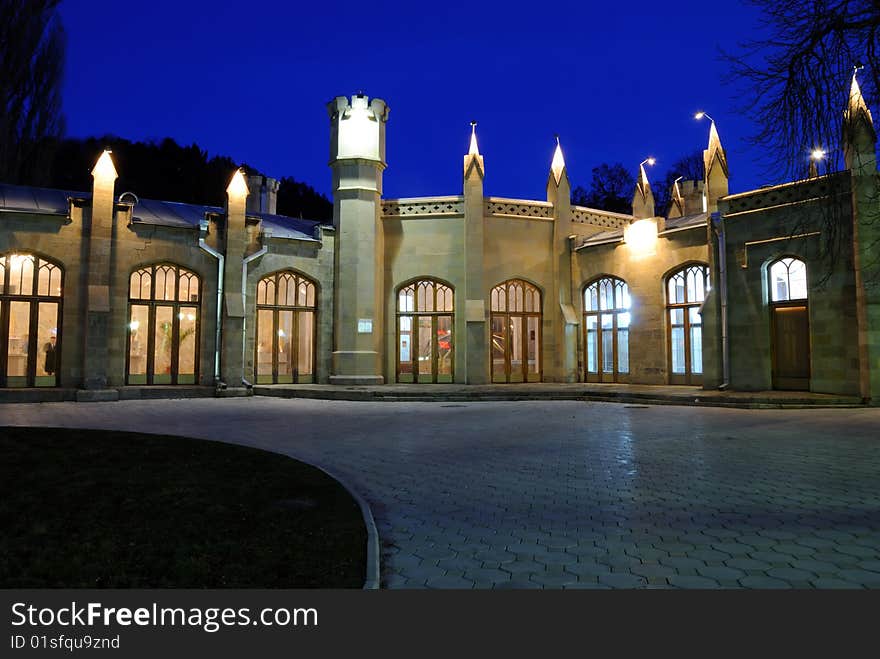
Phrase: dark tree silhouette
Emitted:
{"points": [[798, 76], [300, 200], [797, 82], [611, 189], [32, 43], [169, 171]]}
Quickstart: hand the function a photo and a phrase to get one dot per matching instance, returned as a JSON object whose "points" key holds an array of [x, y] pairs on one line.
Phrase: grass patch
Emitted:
{"points": [[107, 509]]}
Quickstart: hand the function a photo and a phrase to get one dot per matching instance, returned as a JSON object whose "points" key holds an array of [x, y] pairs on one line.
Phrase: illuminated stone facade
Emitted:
{"points": [[468, 289]]}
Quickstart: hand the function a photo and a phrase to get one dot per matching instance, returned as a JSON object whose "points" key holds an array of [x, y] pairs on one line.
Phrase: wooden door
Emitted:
{"points": [[791, 348]]}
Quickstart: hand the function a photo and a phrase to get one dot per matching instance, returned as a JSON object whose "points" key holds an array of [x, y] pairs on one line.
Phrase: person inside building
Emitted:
{"points": [[49, 349]]}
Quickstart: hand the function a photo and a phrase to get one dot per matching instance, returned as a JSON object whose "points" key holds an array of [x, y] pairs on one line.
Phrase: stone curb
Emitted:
{"points": [[621, 398], [372, 580]]}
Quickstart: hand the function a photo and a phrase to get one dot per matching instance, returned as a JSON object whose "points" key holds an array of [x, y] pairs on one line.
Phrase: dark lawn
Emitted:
{"points": [[107, 509]]}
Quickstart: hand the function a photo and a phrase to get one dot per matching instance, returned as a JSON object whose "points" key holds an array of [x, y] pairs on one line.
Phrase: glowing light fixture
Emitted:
{"points": [[474, 150], [557, 166], [701, 114], [641, 236], [818, 154], [104, 168], [238, 186], [649, 161], [359, 131]]}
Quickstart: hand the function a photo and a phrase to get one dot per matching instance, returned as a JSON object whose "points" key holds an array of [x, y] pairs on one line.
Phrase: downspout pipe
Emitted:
{"points": [[244, 269], [203, 232], [718, 224]]}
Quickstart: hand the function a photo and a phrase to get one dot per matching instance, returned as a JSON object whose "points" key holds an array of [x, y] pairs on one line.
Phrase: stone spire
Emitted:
{"points": [[859, 134], [643, 200], [557, 166], [717, 173], [473, 160], [676, 201]]}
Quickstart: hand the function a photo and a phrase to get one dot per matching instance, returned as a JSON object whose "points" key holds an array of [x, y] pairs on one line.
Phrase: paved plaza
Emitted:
{"points": [[568, 494]]}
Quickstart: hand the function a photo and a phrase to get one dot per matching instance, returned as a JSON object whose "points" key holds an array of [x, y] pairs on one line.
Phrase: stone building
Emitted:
{"points": [[105, 295]]}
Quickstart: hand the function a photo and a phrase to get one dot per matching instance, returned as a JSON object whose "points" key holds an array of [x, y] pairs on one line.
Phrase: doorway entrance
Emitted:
{"points": [[790, 325], [516, 332]]}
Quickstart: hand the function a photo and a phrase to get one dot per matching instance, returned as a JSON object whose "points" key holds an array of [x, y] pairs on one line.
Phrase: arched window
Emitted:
{"points": [[516, 332], [163, 328], [788, 280], [685, 292], [606, 330], [790, 324], [285, 344], [425, 347], [31, 290]]}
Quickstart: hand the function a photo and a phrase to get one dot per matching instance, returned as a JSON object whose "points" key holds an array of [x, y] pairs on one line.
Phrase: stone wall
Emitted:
{"points": [[796, 220], [645, 273]]}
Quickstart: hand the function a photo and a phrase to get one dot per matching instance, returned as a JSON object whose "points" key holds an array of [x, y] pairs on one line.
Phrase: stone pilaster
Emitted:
{"points": [[860, 144], [476, 307], [560, 317], [99, 267], [236, 241]]}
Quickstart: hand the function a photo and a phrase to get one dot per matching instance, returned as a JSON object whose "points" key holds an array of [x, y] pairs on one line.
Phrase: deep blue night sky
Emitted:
{"points": [[617, 81]]}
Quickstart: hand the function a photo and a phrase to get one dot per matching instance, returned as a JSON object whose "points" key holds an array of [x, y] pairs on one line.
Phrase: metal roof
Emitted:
{"points": [[602, 238], [45, 201], [39, 201], [171, 213], [687, 222], [290, 228]]}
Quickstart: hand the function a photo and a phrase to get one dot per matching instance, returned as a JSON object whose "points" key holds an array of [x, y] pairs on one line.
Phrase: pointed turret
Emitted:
{"points": [[676, 201], [643, 200], [859, 134], [473, 160], [557, 166], [717, 174], [558, 185]]}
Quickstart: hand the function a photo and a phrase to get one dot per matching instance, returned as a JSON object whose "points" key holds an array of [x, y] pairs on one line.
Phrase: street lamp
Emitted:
{"points": [[701, 114], [649, 161], [816, 156]]}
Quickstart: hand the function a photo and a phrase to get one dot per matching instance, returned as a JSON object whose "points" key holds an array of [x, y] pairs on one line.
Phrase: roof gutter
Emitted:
{"points": [[718, 226], [203, 232], [244, 269]]}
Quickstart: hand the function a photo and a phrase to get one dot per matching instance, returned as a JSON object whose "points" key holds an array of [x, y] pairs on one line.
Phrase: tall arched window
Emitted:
{"points": [[516, 332], [790, 324], [425, 347], [30, 318], [606, 330], [685, 292], [163, 328], [285, 344]]}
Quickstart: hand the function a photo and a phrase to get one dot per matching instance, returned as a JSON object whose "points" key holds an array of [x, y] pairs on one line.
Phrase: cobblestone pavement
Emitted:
{"points": [[569, 494]]}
